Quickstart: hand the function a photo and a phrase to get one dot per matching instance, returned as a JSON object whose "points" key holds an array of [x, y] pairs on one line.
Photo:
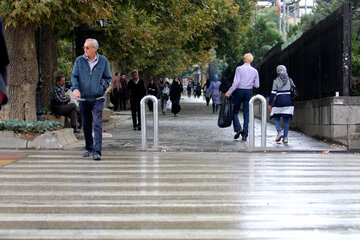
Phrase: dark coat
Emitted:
{"points": [[152, 92], [175, 92], [4, 61], [136, 91]]}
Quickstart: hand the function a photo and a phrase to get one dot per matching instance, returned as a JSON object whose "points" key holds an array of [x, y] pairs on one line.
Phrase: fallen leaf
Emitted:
{"points": [[326, 152]]}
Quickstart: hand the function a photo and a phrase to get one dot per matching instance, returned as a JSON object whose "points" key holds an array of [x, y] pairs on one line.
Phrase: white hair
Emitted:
{"points": [[95, 42], [135, 71]]}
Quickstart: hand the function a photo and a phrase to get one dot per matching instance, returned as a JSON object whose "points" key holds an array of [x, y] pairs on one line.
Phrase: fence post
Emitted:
{"points": [[143, 120], [252, 121]]}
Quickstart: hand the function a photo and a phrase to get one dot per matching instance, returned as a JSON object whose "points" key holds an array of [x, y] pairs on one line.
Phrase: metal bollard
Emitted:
{"points": [[252, 121], [143, 120]]}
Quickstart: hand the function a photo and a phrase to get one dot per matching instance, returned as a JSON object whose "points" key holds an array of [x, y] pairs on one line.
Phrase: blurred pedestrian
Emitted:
{"points": [[116, 87], [123, 92], [198, 90], [194, 89], [165, 96], [188, 89], [207, 91], [90, 78], [215, 93], [175, 95], [283, 105], [246, 78], [161, 95], [137, 91], [152, 90]]}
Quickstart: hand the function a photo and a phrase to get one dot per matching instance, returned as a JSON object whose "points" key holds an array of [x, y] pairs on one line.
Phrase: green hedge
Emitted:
{"points": [[25, 126]]}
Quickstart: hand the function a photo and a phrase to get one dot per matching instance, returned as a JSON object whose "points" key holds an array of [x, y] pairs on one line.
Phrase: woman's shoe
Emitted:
{"points": [[286, 140], [279, 137]]}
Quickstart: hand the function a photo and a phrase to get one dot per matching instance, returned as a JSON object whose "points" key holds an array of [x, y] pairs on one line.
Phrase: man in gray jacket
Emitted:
{"points": [[90, 78]]}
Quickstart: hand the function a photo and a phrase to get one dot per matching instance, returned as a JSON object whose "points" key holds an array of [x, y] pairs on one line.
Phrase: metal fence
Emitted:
{"points": [[319, 62]]}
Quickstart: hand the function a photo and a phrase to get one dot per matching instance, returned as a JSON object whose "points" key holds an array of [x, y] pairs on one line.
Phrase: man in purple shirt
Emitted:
{"points": [[246, 78]]}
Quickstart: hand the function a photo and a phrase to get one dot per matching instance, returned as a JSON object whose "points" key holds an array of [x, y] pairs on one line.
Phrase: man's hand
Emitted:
{"points": [[227, 95], [69, 97], [77, 94], [269, 107]]}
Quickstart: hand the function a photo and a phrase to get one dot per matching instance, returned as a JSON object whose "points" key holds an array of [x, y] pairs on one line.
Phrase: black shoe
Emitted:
{"points": [[96, 156], [244, 138], [237, 134], [86, 153], [134, 128], [76, 130], [139, 128]]}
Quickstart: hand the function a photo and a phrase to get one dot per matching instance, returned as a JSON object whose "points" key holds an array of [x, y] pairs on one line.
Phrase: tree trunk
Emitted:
{"points": [[22, 73], [49, 62]]}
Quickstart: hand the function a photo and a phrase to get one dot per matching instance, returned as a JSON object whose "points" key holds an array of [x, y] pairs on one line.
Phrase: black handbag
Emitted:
{"points": [[294, 92], [226, 113]]}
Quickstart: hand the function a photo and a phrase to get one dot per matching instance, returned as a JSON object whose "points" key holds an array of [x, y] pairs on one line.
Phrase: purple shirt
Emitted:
{"points": [[246, 77]]}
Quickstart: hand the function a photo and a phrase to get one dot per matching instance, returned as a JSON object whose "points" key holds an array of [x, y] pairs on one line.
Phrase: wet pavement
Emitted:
{"points": [[196, 130], [188, 195], [204, 185]]}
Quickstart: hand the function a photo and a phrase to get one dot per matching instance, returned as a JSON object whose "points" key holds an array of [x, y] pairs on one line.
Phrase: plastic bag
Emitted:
{"points": [[168, 104], [226, 113]]}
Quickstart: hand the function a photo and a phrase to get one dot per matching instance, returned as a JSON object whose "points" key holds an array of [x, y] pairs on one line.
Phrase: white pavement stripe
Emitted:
{"points": [[298, 167], [227, 186], [296, 207], [296, 221], [184, 234], [330, 196], [239, 175]]}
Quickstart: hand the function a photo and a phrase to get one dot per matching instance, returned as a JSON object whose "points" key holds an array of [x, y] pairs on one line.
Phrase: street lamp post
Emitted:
{"points": [[284, 19]]}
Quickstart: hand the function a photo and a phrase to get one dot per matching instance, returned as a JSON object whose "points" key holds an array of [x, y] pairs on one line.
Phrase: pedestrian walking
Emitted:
{"points": [[207, 91], [188, 89], [165, 96], [283, 104], [152, 90], [90, 78], [123, 92], [137, 91], [116, 86], [175, 94], [194, 89], [161, 95], [198, 90], [246, 78], [215, 93]]}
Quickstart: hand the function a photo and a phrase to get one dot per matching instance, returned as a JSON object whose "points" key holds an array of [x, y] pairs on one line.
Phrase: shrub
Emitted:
{"points": [[25, 126]]}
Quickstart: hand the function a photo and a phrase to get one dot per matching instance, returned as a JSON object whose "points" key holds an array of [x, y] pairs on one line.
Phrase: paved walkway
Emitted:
{"points": [[196, 130], [144, 195]]}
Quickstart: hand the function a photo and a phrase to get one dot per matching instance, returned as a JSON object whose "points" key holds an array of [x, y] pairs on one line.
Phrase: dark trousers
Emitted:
{"points": [[68, 110], [116, 99], [91, 113], [122, 105], [135, 110], [241, 96], [164, 98]]}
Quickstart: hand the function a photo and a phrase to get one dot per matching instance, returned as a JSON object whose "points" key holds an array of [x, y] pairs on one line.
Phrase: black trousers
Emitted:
{"points": [[135, 112], [68, 110], [116, 99], [122, 101]]}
